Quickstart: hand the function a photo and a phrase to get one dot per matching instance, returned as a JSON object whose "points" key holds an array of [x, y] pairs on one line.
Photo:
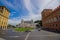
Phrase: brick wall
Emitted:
{"points": [[51, 18]]}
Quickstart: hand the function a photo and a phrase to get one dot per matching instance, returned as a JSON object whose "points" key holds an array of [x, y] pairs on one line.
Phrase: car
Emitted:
{"points": [[39, 29]]}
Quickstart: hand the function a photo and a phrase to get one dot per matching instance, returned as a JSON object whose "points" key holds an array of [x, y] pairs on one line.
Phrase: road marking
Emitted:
{"points": [[14, 36], [27, 36]]}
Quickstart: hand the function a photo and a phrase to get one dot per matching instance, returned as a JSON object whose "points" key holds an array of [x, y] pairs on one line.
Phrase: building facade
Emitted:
{"points": [[27, 24], [51, 19], [4, 16]]}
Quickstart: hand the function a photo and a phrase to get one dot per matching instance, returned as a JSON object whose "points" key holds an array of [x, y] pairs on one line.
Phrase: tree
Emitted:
{"points": [[11, 26], [39, 23]]}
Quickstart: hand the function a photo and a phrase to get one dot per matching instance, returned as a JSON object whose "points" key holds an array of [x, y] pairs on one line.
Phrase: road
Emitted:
{"points": [[11, 35], [34, 35], [43, 35]]}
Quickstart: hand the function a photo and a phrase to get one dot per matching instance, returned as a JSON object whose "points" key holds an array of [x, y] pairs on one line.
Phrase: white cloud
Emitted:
{"points": [[7, 3], [52, 4], [30, 8], [14, 21], [12, 13], [15, 5], [32, 16], [41, 4]]}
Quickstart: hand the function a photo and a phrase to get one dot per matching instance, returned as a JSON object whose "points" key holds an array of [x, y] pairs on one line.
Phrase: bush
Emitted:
{"points": [[22, 29]]}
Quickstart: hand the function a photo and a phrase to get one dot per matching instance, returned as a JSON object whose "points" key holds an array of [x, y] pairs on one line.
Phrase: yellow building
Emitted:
{"points": [[4, 16]]}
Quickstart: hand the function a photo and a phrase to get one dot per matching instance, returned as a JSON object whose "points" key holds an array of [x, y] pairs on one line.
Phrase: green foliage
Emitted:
{"points": [[39, 23], [11, 26], [22, 29]]}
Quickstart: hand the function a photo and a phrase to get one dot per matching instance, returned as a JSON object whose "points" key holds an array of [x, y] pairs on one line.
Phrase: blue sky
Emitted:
{"points": [[27, 9]]}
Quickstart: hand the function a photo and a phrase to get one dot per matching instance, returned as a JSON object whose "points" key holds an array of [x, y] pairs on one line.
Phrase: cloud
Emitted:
{"points": [[52, 4], [6, 3], [12, 13], [34, 7], [14, 5], [14, 21], [31, 9], [32, 16], [34, 13]]}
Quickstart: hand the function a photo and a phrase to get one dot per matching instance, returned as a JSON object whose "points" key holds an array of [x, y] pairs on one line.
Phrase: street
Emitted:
{"points": [[11, 35], [34, 35], [43, 35], [29, 19]]}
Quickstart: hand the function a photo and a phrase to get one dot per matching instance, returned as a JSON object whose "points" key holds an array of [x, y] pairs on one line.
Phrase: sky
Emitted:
{"points": [[27, 9]]}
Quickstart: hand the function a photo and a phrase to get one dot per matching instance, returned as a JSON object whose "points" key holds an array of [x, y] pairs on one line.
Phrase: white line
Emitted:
{"points": [[27, 36]]}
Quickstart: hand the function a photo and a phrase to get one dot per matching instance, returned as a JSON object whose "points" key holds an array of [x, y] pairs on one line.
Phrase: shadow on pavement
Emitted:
{"points": [[10, 35], [52, 31]]}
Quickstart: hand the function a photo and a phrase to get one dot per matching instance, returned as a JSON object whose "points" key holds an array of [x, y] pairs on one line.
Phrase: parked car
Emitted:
{"points": [[39, 29]]}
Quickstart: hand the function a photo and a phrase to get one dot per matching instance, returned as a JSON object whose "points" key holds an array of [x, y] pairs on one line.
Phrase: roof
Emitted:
{"points": [[46, 10], [58, 8], [27, 21], [5, 7]]}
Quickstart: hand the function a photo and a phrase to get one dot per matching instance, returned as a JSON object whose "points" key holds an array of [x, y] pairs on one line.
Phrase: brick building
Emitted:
{"points": [[51, 19], [4, 16]]}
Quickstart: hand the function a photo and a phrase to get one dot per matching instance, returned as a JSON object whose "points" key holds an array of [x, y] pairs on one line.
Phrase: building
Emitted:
{"points": [[28, 24], [4, 16], [51, 19]]}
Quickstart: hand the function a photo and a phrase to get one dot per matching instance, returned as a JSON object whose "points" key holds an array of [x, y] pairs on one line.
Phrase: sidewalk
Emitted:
{"points": [[2, 39]]}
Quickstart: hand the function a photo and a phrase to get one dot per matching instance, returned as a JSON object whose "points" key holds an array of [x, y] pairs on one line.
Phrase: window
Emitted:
{"points": [[49, 21], [59, 13], [59, 17], [53, 24], [52, 19], [1, 27], [55, 19], [56, 25], [1, 9]]}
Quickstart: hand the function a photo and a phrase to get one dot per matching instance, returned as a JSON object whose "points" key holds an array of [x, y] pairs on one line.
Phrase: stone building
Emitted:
{"points": [[51, 19], [4, 16], [28, 24]]}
